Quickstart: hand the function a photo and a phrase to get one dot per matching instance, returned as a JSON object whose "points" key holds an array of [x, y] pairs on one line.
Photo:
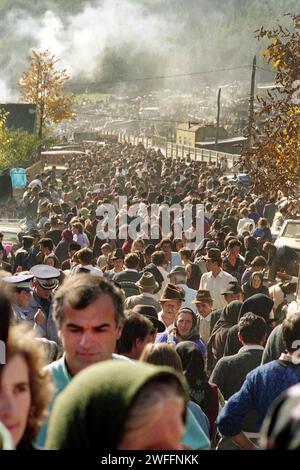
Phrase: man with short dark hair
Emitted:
{"points": [[136, 334], [233, 263], [73, 248], [230, 372], [130, 273], [24, 258], [46, 248], [173, 258], [215, 280], [54, 233], [85, 257]]}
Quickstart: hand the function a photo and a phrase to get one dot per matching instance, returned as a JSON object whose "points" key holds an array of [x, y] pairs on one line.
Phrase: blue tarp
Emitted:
{"points": [[18, 177]]}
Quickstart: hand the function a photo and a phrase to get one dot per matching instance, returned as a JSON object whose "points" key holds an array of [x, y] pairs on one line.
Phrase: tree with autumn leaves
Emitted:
{"points": [[43, 85], [273, 158]]}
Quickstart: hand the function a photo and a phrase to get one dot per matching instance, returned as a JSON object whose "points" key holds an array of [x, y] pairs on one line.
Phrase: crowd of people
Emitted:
{"points": [[86, 303]]}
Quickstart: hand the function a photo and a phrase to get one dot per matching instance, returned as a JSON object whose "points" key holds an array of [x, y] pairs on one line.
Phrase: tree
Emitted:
{"points": [[43, 85], [273, 160], [19, 148]]}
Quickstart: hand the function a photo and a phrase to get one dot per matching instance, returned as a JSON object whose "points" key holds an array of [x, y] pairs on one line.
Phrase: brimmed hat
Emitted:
{"points": [[150, 312], [178, 270], [203, 296], [118, 254], [233, 288], [19, 280], [46, 276], [172, 292], [213, 254], [147, 281]]}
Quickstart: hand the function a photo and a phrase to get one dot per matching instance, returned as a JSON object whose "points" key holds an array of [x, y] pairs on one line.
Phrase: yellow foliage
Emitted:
{"points": [[43, 85]]}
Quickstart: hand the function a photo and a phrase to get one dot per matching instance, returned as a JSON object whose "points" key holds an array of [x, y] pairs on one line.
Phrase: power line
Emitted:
{"points": [[265, 70], [160, 77]]}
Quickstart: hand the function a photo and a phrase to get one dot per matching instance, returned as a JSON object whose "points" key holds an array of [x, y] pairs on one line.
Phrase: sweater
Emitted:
{"points": [[261, 387]]}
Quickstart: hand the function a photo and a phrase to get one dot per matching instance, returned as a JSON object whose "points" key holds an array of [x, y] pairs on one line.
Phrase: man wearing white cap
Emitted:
{"points": [[45, 281], [21, 289]]}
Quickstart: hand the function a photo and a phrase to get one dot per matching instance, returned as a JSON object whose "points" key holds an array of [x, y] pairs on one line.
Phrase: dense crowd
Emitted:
{"points": [[101, 284]]}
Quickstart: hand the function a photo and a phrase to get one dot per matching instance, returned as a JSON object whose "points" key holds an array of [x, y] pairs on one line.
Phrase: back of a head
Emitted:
{"points": [[85, 255], [158, 258], [252, 328], [47, 243], [291, 331], [162, 354], [132, 261], [136, 326], [259, 304]]}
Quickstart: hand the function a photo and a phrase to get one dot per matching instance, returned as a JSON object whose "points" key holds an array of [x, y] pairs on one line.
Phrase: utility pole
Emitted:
{"points": [[251, 103], [218, 121]]}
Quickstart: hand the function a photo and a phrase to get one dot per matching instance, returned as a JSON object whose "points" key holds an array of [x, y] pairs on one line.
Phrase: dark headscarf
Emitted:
{"points": [[249, 290], [193, 370], [194, 281], [259, 304], [91, 412], [229, 316]]}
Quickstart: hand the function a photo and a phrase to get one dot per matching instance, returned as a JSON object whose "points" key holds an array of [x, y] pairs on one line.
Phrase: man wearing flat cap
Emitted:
{"points": [[44, 282], [171, 302], [206, 317], [215, 280], [20, 293], [147, 285]]}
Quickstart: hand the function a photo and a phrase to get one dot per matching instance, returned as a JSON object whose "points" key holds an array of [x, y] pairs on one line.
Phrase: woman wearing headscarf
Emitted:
{"points": [[118, 405], [260, 305], [201, 391], [255, 286], [216, 343], [186, 329], [193, 275]]}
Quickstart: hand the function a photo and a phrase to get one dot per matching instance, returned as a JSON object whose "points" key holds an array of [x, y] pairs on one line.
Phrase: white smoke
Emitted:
{"points": [[6, 93], [144, 36], [81, 39]]}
